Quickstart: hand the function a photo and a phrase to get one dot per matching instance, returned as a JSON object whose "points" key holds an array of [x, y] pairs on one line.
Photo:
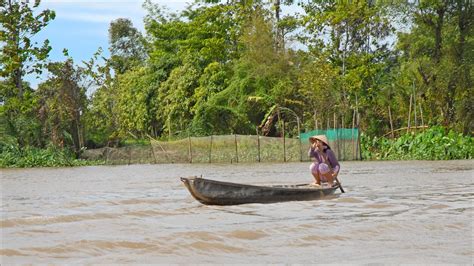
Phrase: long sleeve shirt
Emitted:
{"points": [[320, 157]]}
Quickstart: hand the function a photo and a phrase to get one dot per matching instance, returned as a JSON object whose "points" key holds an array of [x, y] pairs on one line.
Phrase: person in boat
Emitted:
{"points": [[325, 166]]}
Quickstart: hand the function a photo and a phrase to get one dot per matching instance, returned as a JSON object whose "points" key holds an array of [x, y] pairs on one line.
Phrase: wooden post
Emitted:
{"points": [[414, 104], [414, 110], [301, 148], [357, 146], [354, 154], [299, 138], [336, 141], [153, 152], [106, 154], [343, 142], [391, 121], [279, 118], [129, 154], [357, 115], [359, 152], [210, 151], [421, 113], [258, 145], [284, 144], [163, 150], [409, 114], [315, 120], [236, 151], [169, 127], [190, 150]]}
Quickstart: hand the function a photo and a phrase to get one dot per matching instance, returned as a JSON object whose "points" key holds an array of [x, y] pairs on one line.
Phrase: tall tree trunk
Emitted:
{"points": [[440, 11], [279, 33], [450, 97], [15, 38], [75, 137], [18, 81], [464, 10], [435, 22]]}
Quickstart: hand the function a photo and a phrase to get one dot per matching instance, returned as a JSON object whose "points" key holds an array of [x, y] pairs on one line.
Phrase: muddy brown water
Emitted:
{"points": [[392, 212]]}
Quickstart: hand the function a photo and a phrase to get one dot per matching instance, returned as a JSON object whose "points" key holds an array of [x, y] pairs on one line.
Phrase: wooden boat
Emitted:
{"points": [[212, 192]]}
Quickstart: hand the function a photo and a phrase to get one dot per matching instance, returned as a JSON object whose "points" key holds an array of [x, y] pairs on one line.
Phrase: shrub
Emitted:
{"points": [[11, 155], [436, 143]]}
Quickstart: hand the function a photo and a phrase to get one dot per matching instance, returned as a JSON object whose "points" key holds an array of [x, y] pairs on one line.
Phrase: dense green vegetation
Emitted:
{"points": [[435, 143], [229, 67], [14, 156]]}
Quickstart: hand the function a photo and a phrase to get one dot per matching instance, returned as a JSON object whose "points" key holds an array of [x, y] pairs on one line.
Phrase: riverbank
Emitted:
{"points": [[435, 143]]}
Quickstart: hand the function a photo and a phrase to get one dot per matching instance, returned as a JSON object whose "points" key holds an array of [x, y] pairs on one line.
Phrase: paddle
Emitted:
{"points": [[339, 183]]}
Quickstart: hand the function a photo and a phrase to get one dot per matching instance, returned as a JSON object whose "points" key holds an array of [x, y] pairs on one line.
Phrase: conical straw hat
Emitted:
{"points": [[322, 138]]}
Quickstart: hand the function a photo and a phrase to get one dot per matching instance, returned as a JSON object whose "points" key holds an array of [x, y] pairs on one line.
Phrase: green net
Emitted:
{"points": [[332, 134]]}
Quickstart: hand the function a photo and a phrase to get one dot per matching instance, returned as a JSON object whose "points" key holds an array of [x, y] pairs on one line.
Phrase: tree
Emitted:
{"points": [[107, 115], [185, 51], [176, 98], [318, 80], [436, 56], [136, 97], [353, 35], [259, 80], [284, 25], [127, 45], [19, 56], [62, 104], [464, 57], [19, 116]]}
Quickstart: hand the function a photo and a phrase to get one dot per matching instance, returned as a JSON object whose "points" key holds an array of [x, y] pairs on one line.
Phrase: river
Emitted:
{"points": [[392, 212]]}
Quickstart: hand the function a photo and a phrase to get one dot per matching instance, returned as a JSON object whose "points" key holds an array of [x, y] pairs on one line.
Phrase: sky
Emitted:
{"points": [[81, 26]]}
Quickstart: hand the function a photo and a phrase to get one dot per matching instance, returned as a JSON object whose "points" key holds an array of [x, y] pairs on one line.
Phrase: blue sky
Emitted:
{"points": [[81, 26]]}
